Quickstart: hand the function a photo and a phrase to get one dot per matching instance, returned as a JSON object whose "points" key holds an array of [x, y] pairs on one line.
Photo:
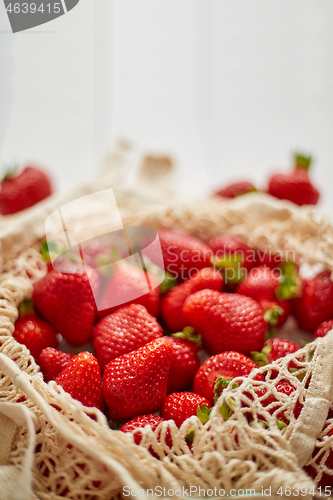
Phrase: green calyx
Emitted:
{"points": [[231, 268], [10, 172], [50, 251], [203, 413], [220, 384], [272, 315], [190, 436], [302, 161], [261, 358], [281, 425], [290, 285], [189, 334], [115, 426], [311, 354], [168, 283], [26, 307], [225, 411], [104, 259], [260, 421]]}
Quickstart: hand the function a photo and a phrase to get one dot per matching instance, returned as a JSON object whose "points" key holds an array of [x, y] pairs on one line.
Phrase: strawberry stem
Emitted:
{"points": [[188, 333], [9, 173], [220, 384], [290, 285], [281, 425], [302, 161], [168, 283], [49, 250], [26, 307], [261, 358], [225, 411], [203, 413], [190, 436], [272, 315], [231, 267], [115, 426]]}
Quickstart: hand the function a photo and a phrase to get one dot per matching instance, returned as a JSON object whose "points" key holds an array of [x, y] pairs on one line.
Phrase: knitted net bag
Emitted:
{"points": [[54, 447]]}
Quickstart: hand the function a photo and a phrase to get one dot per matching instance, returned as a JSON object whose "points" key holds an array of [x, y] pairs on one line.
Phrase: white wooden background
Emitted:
{"points": [[230, 88]]}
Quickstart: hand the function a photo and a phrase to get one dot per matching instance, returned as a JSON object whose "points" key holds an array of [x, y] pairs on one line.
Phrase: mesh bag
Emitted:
{"points": [[53, 447]]}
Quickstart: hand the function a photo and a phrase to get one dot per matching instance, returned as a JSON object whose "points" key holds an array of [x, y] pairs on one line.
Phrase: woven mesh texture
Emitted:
{"points": [[78, 456]]}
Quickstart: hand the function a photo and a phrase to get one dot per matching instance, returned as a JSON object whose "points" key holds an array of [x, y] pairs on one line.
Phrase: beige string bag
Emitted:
{"points": [[51, 447]]}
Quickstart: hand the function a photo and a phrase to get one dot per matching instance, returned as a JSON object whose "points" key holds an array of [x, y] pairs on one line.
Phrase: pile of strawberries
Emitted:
{"points": [[221, 301], [295, 186]]}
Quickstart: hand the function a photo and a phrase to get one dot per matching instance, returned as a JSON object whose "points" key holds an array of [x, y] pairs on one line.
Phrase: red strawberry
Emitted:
{"points": [[268, 258], [295, 186], [228, 251], [184, 365], [173, 301], [267, 286], [276, 313], [183, 254], [124, 331], [227, 365], [324, 328], [236, 189], [260, 284], [136, 383], [180, 406], [226, 321], [141, 422], [274, 349], [285, 388], [315, 305], [35, 333], [95, 249], [67, 301], [127, 282], [52, 362], [82, 380], [21, 191]]}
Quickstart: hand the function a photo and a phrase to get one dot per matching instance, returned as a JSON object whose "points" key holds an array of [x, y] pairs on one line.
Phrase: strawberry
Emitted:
{"points": [[35, 333], [276, 313], [295, 186], [67, 301], [183, 254], [24, 190], [230, 252], [268, 258], [224, 366], [274, 349], [267, 400], [260, 284], [184, 365], [96, 250], [324, 328], [140, 422], [226, 321], [82, 380], [52, 362], [236, 189], [267, 286], [180, 406], [126, 330], [126, 282], [173, 302], [136, 383], [315, 305]]}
